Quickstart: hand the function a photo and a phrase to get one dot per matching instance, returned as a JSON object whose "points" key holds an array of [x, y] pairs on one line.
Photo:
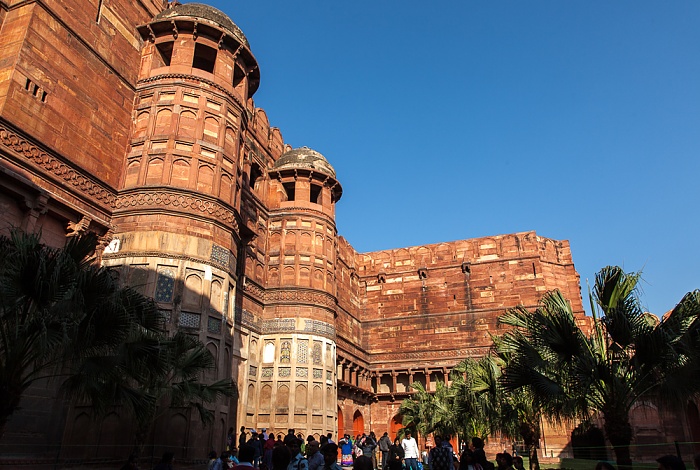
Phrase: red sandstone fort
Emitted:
{"points": [[135, 119]]}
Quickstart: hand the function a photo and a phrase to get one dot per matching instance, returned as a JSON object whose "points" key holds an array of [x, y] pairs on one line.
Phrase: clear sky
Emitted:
{"points": [[448, 120]]}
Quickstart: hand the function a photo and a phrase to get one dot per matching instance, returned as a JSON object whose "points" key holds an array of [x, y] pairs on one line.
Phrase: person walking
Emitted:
{"points": [[410, 450], [315, 457], [330, 457], [441, 456], [384, 445], [346, 451], [242, 439], [298, 462], [368, 445], [395, 461]]}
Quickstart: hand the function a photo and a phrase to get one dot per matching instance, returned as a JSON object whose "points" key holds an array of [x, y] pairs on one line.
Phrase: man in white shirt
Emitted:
{"points": [[410, 450]]}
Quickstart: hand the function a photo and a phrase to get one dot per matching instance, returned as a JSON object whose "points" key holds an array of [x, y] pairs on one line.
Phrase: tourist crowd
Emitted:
{"points": [[269, 452]]}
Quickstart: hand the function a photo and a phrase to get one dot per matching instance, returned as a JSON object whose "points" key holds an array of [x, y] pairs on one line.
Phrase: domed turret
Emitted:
{"points": [[204, 12], [302, 176], [304, 157], [192, 38]]}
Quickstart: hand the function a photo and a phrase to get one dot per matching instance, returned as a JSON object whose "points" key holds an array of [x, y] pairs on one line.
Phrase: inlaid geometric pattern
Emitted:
{"points": [[318, 373], [165, 284], [253, 371], [319, 327], [220, 254], [165, 314], [189, 320], [316, 353], [302, 372], [279, 325], [329, 375], [285, 352], [303, 352], [214, 325], [285, 371], [267, 372]]}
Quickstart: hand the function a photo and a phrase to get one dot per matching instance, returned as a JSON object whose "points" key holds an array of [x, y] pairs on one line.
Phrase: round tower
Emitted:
{"points": [[297, 378], [177, 224]]}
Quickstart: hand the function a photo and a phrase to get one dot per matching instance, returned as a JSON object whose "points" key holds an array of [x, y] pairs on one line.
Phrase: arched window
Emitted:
{"points": [[269, 352]]}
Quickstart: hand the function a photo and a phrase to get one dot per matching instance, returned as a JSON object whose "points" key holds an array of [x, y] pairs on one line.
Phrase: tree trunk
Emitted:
{"points": [[141, 435], [10, 395], [534, 460], [619, 433], [530, 433]]}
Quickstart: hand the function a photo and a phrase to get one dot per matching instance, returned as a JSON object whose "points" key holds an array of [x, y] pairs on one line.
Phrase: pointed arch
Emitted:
{"points": [[211, 129], [154, 172], [266, 397], [300, 396], [282, 396], [341, 423], [205, 179], [132, 173], [180, 173], [230, 141], [164, 120], [251, 395], [304, 276], [358, 423], [141, 124], [395, 424], [188, 124], [193, 290], [225, 189], [317, 397], [215, 297]]}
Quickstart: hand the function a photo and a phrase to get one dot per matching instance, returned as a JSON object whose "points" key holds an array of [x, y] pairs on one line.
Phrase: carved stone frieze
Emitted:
{"points": [[73, 177], [254, 290], [289, 325], [186, 202], [275, 296], [161, 254]]}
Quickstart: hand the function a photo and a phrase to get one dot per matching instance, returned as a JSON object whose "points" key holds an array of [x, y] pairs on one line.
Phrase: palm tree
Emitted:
{"points": [[428, 412], [626, 356], [57, 308], [148, 374], [486, 407], [63, 317], [178, 384]]}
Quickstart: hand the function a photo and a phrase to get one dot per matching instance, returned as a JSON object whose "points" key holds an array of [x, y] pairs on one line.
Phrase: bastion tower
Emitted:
{"points": [[179, 227], [233, 236], [293, 370]]}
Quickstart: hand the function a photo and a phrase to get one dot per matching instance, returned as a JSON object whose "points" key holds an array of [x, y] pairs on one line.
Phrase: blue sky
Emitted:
{"points": [[458, 119]]}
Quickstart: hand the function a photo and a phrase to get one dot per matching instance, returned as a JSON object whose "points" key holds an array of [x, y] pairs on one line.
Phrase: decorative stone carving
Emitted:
{"points": [[300, 296], [78, 228], [56, 167], [185, 202]]}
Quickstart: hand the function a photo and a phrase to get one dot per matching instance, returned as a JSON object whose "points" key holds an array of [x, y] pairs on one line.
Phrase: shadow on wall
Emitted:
{"points": [[49, 425]]}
